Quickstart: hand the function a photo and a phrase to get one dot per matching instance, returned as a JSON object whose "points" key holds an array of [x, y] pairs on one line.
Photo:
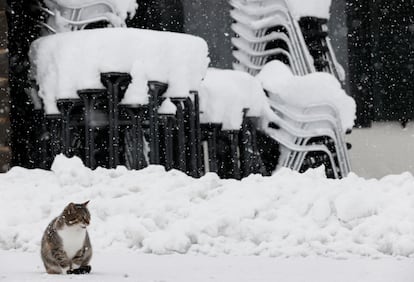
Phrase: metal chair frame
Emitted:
{"points": [[74, 16]]}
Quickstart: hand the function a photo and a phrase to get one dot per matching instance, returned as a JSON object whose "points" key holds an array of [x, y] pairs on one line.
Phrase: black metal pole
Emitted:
{"points": [[234, 152], [54, 125], [211, 132], [155, 91], [198, 132], [116, 84], [191, 137], [168, 144], [89, 98], [181, 138], [66, 106]]}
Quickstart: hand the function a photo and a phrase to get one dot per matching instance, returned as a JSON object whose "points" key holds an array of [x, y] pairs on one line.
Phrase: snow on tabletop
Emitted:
{"points": [[310, 8], [167, 108], [123, 8], [298, 8], [225, 93], [154, 211], [303, 91], [66, 62]]}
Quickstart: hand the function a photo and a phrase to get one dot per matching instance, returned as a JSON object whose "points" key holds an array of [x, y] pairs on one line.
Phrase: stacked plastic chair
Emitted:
{"points": [[311, 136], [315, 31], [265, 30], [70, 17]]}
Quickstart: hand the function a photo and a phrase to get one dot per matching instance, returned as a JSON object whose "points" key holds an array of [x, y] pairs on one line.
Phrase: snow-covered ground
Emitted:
{"points": [[383, 149], [153, 225], [125, 266]]}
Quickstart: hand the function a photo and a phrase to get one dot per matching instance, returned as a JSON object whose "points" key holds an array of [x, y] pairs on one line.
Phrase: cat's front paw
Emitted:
{"points": [[85, 269]]}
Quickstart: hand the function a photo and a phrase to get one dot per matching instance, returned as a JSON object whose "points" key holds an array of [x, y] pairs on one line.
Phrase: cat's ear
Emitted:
{"points": [[86, 203]]}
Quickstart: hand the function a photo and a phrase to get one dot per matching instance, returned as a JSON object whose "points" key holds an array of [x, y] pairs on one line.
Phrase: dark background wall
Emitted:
{"points": [[211, 21], [381, 59], [5, 152], [338, 33]]}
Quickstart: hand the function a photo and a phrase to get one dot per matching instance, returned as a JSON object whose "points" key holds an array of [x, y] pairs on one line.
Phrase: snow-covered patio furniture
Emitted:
{"points": [[232, 105], [311, 109], [132, 101], [315, 31], [255, 21], [285, 135], [257, 27], [319, 124], [78, 14]]}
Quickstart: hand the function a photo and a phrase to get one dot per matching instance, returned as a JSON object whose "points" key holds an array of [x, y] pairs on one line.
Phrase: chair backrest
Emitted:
{"points": [[64, 17]]}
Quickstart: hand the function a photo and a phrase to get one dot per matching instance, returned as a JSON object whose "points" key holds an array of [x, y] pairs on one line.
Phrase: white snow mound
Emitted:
{"points": [[154, 211], [298, 8], [224, 94], [66, 62], [299, 92]]}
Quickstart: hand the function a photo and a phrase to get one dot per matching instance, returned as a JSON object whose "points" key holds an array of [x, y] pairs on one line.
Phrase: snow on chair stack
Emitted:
{"points": [[312, 115], [70, 15], [270, 34], [292, 31], [232, 107], [265, 31]]}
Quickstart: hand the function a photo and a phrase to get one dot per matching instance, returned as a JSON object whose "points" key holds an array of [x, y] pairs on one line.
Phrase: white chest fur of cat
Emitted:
{"points": [[73, 238]]}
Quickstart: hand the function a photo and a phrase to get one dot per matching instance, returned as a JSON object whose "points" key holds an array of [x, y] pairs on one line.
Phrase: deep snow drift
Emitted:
{"points": [[155, 211]]}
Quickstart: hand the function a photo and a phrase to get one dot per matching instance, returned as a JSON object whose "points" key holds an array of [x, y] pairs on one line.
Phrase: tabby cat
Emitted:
{"points": [[66, 247]]}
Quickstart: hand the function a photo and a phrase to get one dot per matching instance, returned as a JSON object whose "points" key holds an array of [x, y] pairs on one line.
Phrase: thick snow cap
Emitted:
{"points": [[298, 8], [66, 62], [311, 89], [225, 93], [310, 8], [123, 8]]}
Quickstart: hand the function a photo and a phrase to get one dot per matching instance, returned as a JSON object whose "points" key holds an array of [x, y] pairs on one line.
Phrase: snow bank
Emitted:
{"points": [[303, 91], [225, 93], [154, 211], [66, 62]]}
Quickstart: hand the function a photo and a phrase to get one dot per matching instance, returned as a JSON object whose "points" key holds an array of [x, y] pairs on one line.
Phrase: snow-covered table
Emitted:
{"points": [[66, 62]]}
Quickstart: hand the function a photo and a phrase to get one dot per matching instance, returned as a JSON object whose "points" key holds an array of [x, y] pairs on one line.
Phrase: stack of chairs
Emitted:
{"points": [[265, 30], [309, 137], [78, 17], [102, 131], [315, 31]]}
